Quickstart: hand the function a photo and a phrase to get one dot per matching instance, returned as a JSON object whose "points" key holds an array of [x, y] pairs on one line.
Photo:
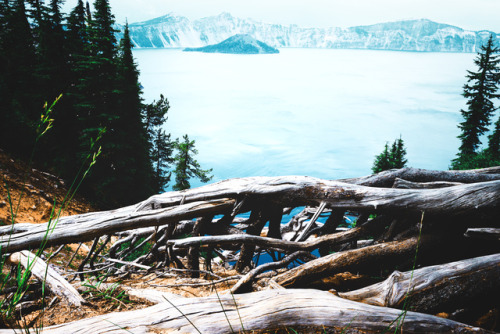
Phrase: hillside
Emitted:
{"points": [[237, 44], [38, 191]]}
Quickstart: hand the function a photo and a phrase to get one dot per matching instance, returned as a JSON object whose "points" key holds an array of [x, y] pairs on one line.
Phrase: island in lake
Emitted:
{"points": [[237, 44]]}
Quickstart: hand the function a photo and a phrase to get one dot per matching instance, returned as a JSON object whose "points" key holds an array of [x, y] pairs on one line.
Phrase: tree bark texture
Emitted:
{"points": [[305, 311]]}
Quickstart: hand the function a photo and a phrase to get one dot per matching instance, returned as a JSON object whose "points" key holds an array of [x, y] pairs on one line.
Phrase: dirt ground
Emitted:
{"points": [[33, 194]]}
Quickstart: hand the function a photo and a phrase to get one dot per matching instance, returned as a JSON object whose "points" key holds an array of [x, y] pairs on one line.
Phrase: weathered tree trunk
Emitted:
{"points": [[285, 191], [86, 230], [439, 288], [48, 276], [386, 178], [305, 311], [367, 259]]}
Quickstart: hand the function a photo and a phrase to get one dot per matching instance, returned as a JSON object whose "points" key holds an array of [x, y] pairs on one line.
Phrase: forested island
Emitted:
{"points": [[401, 250], [237, 44]]}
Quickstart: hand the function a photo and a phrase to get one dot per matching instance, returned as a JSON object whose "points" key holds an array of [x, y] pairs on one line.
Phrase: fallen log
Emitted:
{"points": [[440, 288], [282, 191], [301, 190], [89, 229], [386, 178], [329, 240], [48, 276], [305, 311]]}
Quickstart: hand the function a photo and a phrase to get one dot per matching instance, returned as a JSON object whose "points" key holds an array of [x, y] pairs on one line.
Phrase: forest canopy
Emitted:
{"points": [[45, 53]]}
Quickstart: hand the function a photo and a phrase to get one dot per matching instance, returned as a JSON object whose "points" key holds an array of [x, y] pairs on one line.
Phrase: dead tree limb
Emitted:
{"points": [[484, 233], [48, 276], [245, 281], [386, 178], [78, 231], [368, 257], [439, 288], [306, 311]]}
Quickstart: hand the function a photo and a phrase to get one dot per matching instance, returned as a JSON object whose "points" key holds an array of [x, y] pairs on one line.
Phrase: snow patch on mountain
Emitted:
{"points": [[171, 31]]}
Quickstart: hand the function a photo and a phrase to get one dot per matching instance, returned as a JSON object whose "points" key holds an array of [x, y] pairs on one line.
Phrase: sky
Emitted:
{"points": [[467, 14]]}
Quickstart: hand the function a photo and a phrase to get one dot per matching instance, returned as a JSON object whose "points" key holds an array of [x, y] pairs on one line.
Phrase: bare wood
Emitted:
{"points": [[386, 178], [303, 190], [305, 231], [246, 281], [303, 310], [86, 230], [432, 288], [390, 252], [326, 240], [483, 233], [283, 191], [54, 282], [404, 184]]}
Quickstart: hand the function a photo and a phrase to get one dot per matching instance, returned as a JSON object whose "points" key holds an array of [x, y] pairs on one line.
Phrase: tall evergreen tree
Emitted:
{"points": [[18, 80], [494, 141], [480, 90], [133, 165], [161, 145], [96, 104], [186, 167]]}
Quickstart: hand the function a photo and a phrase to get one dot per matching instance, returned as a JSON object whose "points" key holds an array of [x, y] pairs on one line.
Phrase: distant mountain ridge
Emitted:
{"points": [[237, 44], [172, 31]]}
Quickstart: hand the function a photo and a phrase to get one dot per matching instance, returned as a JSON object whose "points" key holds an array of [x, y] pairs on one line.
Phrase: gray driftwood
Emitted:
{"points": [[283, 191], [436, 288], [305, 311], [48, 276]]}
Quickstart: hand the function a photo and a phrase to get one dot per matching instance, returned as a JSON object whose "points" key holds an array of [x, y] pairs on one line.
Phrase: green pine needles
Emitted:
{"points": [[393, 157], [44, 52], [480, 91]]}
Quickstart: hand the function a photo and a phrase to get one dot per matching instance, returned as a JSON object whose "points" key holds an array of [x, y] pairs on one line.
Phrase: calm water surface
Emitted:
{"points": [[322, 113]]}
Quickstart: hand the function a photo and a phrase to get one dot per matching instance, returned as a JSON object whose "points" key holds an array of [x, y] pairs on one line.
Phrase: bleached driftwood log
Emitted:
{"points": [[281, 191], [48, 276], [305, 311], [387, 178], [89, 229], [367, 257], [437, 288]]}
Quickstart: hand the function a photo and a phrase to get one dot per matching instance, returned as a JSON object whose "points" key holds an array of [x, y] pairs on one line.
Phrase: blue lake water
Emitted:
{"points": [[316, 112]]}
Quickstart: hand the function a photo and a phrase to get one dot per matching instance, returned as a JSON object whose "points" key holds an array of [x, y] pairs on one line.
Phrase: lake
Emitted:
{"points": [[319, 112]]}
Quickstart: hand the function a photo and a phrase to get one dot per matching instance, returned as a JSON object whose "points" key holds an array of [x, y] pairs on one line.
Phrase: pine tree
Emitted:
{"points": [[480, 90], [96, 104], [382, 161], [161, 145], [398, 152], [17, 80], [186, 167], [393, 158], [133, 165], [494, 142]]}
